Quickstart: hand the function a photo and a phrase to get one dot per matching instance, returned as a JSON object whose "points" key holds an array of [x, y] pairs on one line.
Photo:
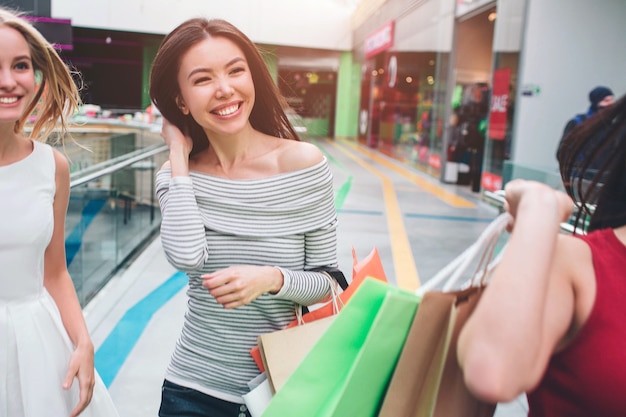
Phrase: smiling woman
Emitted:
{"points": [[45, 343], [247, 212]]}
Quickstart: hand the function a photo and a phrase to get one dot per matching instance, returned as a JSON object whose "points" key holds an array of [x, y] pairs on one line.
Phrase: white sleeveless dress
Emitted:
{"points": [[35, 349]]}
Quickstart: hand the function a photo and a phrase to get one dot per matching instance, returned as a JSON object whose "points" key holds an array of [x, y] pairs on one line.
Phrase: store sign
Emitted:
{"points": [[380, 40], [434, 161], [491, 182], [499, 104]]}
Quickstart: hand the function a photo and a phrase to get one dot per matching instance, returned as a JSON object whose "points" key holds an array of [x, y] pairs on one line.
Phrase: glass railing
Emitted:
{"points": [[113, 212]]}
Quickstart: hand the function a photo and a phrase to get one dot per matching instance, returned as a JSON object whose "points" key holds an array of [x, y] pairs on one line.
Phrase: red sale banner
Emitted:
{"points": [[499, 104], [491, 182]]}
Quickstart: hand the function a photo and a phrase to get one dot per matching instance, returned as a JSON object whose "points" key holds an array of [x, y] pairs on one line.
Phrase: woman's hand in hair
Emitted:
{"points": [[180, 147], [175, 139]]}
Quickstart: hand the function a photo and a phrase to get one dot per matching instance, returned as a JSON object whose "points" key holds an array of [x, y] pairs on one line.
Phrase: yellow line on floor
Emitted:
{"points": [[403, 261], [439, 192]]}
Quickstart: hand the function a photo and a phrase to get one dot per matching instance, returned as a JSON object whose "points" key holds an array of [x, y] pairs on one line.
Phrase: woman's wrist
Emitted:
{"points": [[541, 204], [85, 344], [179, 161], [278, 280]]}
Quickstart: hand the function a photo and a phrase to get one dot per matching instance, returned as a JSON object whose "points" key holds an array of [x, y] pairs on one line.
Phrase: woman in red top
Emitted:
{"points": [[552, 322]]}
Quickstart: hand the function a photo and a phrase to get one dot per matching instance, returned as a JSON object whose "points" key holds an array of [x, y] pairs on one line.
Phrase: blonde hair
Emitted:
{"points": [[57, 97]]}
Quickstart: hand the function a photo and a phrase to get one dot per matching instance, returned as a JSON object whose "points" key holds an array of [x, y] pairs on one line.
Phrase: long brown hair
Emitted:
{"points": [[268, 114], [57, 97], [599, 141]]}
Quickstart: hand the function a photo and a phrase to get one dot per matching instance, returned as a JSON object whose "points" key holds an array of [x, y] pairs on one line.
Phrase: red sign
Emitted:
{"points": [[491, 182], [499, 104], [434, 161], [380, 40]]}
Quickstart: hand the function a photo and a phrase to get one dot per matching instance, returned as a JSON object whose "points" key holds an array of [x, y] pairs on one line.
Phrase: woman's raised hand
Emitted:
{"points": [[175, 139]]}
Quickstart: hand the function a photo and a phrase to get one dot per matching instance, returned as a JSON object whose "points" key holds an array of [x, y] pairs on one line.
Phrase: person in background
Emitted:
{"points": [[44, 342], [247, 212], [470, 119], [551, 322], [599, 98]]}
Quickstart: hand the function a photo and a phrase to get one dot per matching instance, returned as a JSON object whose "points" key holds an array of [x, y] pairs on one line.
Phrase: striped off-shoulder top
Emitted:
{"points": [[209, 223]]}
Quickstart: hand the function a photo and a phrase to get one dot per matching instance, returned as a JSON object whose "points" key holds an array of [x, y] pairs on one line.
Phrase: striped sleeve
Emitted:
{"points": [[182, 230]]}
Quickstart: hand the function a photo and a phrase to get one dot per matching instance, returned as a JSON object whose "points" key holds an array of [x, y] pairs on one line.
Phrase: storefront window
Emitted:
{"points": [[312, 94], [499, 132], [440, 105], [399, 112]]}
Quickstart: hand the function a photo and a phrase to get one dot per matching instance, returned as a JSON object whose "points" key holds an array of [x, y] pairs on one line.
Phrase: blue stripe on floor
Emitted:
{"points": [[453, 218], [117, 346]]}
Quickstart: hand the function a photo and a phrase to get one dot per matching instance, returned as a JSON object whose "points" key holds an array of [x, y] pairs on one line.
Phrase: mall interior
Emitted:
{"points": [[388, 74], [380, 85]]}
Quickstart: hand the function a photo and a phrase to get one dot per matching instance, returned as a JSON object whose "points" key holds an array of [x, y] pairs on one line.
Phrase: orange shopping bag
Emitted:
{"points": [[370, 266]]}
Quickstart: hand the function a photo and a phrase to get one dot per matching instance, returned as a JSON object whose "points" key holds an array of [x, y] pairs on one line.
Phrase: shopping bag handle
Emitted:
{"points": [[484, 245], [337, 302]]}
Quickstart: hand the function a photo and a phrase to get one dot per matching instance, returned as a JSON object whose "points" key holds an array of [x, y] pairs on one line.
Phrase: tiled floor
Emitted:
{"points": [[417, 223]]}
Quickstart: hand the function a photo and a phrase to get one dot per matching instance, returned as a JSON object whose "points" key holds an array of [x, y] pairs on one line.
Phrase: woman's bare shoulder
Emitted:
{"points": [[298, 155], [61, 162], [572, 256]]}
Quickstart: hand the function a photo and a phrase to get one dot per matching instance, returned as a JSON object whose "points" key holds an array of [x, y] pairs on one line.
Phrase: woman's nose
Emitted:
{"points": [[224, 89], [7, 81]]}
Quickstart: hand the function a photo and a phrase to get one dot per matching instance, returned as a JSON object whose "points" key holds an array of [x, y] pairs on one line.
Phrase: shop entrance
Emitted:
{"points": [[471, 86]]}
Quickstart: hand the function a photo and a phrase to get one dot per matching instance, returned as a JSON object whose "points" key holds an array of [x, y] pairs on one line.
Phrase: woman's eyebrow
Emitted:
{"points": [[204, 69]]}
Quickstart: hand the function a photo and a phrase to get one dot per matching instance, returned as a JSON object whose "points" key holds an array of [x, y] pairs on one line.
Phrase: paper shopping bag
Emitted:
{"points": [[428, 381], [347, 371], [282, 351], [370, 266]]}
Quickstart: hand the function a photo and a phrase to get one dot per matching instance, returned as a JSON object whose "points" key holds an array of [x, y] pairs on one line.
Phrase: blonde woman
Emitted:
{"points": [[46, 353]]}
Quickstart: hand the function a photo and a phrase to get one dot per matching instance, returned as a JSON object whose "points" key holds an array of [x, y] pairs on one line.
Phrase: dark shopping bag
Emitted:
{"points": [[347, 371], [428, 381]]}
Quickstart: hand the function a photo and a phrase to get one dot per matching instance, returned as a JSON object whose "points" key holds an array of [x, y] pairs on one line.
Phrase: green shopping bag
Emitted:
{"points": [[347, 371]]}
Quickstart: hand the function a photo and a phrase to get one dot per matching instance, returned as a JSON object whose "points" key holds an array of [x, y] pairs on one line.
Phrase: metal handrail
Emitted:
{"points": [[112, 161], [123, 162], [497, 198]]}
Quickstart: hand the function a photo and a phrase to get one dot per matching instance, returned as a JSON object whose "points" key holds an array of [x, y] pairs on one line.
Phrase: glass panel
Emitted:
{"points": [[112, 216], [403, 105]]}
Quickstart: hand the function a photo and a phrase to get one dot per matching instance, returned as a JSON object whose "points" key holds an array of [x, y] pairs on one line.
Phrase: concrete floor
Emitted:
{"points": [[417, 224]]}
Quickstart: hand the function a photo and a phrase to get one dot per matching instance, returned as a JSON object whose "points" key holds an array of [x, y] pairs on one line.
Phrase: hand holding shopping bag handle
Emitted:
{"points": [[481, 249]]}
